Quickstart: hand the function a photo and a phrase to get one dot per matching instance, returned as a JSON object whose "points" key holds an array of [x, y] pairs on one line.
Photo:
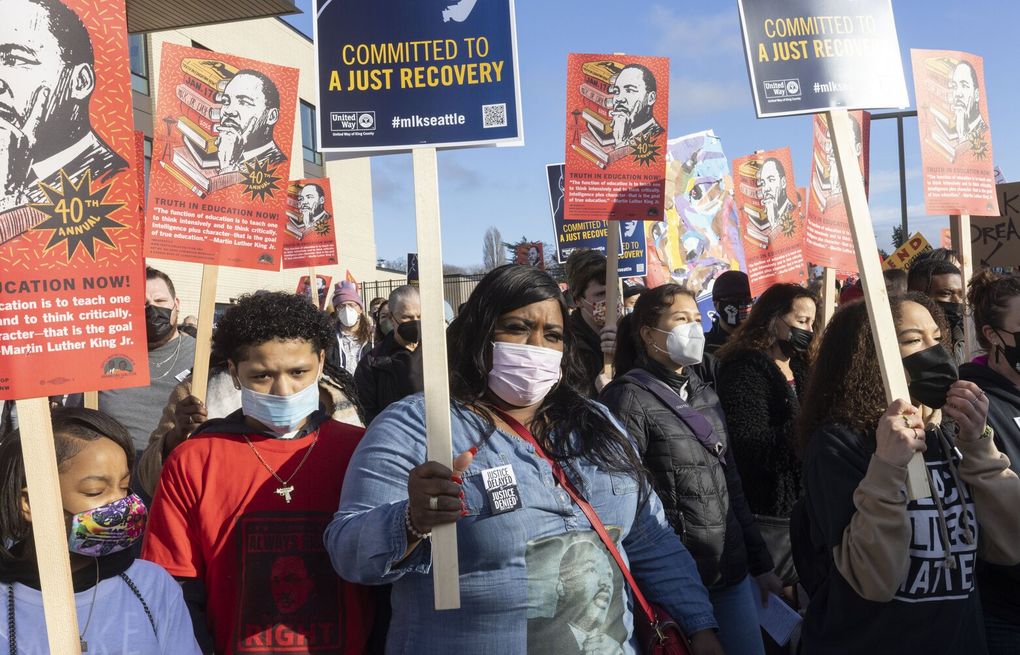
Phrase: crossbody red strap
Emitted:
{"points": [[589, 511]]}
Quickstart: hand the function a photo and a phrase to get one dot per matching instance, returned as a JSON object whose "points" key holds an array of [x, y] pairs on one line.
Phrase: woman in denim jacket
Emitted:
{"points": [[534, 577]]}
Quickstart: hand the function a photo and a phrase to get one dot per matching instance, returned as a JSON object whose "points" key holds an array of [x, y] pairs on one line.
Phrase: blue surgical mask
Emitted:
{"points": [[280, 414]]}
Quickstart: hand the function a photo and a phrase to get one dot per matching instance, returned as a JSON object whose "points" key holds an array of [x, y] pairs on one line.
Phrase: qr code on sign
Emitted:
{"points": [[494, 115]]}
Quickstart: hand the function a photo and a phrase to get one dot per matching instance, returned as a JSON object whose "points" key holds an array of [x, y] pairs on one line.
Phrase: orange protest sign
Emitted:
{"points": [[309, 236], [224, 130], [771, 215], [907, 253], [71, 281]]}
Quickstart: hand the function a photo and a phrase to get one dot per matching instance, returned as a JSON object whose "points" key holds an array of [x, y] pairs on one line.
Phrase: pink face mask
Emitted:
{"points": [[523, 375]]}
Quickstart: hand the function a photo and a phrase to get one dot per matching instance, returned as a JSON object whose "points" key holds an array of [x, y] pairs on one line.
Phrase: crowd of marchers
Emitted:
{"points": [[598, 459]]}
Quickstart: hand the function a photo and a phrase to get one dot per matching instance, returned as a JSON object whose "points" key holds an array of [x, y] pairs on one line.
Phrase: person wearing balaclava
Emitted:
{"points": [[353, 329], [171, 357], [941, 280], [731, 295], [393, 368]]}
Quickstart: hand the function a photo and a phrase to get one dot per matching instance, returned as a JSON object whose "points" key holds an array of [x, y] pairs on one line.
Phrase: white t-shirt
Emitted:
{"points": [[119, 624]]}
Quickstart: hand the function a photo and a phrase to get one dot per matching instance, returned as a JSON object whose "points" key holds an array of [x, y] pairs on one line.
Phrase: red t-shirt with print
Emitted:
{"points": [[270, 588]]}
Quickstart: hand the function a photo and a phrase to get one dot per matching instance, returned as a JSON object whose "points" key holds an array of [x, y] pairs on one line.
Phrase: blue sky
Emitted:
{"points": [[506, 187]]}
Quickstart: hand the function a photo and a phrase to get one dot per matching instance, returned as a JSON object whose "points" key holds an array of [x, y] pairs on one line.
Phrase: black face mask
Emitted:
{"points": [[1011, 353], [799, 339], [410, 332], [733, 312], [157, 323], [954, 314], [931, 371]]}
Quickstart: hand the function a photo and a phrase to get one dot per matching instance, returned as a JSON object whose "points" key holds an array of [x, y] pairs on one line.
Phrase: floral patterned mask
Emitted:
{"points": [[108, 528]]}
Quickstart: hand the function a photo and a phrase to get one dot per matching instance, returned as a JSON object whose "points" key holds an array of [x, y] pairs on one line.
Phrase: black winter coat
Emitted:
{"points": [[761, 410], [703, 499], [387, 373], [999, 585]]}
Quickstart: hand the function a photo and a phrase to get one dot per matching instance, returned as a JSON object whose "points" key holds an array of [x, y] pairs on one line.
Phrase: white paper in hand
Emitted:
{"points": [[778, 619]]}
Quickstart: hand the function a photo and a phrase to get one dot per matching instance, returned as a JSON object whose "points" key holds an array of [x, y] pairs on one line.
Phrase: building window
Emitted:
{"points": [[139, 54], [308, 125]]}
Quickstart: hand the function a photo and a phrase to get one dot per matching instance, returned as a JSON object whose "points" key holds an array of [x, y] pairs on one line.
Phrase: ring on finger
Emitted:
{"points": [[434, 503], [919, 433], [906, 420]]}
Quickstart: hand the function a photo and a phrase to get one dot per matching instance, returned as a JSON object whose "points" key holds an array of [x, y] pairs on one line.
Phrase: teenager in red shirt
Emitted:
{"points": [[241, 506]]}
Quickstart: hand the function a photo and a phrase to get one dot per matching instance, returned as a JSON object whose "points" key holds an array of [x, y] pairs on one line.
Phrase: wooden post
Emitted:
{"points": [[313, 285], [203, 345], [445, 567], [828, 294], [91, 400], [959, 231], [612, 286], [48, 529], [883, 329]]}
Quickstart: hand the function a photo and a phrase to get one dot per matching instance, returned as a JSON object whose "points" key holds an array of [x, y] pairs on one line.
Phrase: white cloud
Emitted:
{"points": [[699, 37], [883, 180], [689, 97]]}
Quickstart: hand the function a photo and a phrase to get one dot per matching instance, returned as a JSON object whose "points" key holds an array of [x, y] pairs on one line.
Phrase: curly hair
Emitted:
{"points": [[988, 296], [845, 383], [261, 317], [565, 411], [758, 332]]}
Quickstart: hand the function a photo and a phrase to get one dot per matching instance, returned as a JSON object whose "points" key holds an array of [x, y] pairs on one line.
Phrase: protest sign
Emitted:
{"points": [[421, 74], [70, 235], [945, 238], [221, 159], [72, 286], [806, 56], [309, 235], [617, 108], [322, 283], [827, 239], [699, 238], [592, 235], [530, 254], [771, 215], [996, 239], [907, 253], [412, 268], [956, 139]]}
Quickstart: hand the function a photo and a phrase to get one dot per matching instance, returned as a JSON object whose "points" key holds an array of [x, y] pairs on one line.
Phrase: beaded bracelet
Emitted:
{"points": [[410, 526]]}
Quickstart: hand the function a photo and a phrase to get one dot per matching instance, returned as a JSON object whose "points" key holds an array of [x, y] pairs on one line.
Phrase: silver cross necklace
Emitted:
{"points": [[286, 488]]}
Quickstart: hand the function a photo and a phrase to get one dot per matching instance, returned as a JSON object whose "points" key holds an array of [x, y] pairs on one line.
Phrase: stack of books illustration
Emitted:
{"points": [[197, 124], [596, 142], [295, 222], [943, 132], [758, 227]]}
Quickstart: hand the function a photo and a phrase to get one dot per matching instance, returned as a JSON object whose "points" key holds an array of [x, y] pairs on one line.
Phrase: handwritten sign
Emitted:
{"points": [[995, 240]]}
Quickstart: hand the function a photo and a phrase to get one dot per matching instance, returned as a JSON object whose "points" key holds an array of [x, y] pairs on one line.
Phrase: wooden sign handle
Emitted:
{"points": [[203, 346], [959, 231], [445, 566], [883, 329], [48, 531], [828, 294], [612, 286]]}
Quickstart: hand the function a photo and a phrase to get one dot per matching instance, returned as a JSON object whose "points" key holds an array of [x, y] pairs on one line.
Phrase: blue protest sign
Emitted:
{"points": [[807, 56], [591, 235], [394, 75]]}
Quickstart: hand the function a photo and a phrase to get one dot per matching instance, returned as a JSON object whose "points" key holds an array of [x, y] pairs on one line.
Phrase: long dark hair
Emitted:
{"points": [[565, 412], [758, 332], [73, 429], [845, 385], [649, 309]]}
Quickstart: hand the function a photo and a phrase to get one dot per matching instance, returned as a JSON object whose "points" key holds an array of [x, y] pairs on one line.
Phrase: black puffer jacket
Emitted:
{"points": [[703, 499], [999, 585], [761, 409], [386, 374], [589, 349]]}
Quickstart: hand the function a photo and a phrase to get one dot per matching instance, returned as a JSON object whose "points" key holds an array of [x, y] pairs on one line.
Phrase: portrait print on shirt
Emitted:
{"points": [[289, 596], [575, 596]]}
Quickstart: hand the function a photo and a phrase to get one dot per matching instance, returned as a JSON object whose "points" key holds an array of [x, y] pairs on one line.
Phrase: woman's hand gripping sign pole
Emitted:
{"points": [[879, 311]]}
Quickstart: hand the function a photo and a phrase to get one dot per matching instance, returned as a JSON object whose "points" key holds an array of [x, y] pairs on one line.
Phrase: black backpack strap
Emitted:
{"points": [[145, 606]]}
